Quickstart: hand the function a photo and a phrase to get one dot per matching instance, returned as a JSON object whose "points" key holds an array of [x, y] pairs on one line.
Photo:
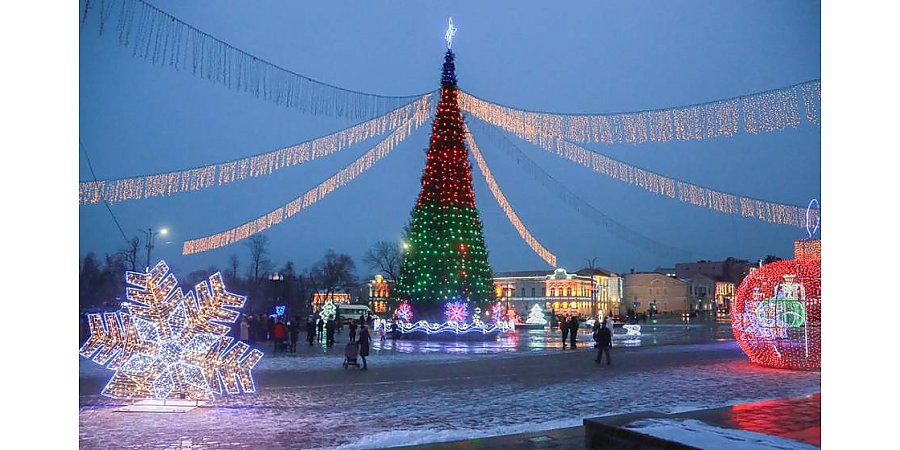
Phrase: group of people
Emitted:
{"points": [[601, 333]]}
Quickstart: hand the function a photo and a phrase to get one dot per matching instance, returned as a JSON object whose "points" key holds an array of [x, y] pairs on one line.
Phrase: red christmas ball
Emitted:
{"points": [[776, 315]]}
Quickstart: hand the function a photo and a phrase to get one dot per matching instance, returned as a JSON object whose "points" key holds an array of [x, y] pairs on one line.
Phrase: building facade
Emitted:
{"points": [[655, 292], [560, 292]]}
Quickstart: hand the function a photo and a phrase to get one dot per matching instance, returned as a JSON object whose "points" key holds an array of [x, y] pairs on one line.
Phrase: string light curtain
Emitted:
{"points": [[310, 197], [584, 208], [760, 113], [529, 239], [684, 191], [218, 174], [165, 40]]}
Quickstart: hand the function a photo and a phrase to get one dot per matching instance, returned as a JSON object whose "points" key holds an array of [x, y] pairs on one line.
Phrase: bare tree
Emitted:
{"points": [[235, 264], [259, 265], [386, 257], [129, 253], [335, 270]]}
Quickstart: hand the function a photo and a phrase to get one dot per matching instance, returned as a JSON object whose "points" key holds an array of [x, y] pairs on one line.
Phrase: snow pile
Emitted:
{"points": [[705, 436]]}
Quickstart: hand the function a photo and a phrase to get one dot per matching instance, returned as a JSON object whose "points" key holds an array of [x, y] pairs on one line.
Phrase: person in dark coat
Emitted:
{"points": [[604, 342], [364, 340], [330, 328], [352, 334], [573, 330], [294, 333], [564, 327], [311, 329], [320, 325]]}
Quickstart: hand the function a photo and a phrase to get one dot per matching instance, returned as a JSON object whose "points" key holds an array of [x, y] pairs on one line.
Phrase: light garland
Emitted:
{"points": [[164, 40], [532, 242], [683, 191], [218, 174], [310, 197], [761, 112], [167, 345], [454, 328], [584, 208]]}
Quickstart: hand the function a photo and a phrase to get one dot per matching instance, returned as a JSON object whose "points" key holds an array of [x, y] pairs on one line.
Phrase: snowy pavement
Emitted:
{"points": [[422, 392]]}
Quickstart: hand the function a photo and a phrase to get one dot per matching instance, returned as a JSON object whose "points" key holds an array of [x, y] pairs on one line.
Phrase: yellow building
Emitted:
{"points": [[655, 292], [560, 292]]}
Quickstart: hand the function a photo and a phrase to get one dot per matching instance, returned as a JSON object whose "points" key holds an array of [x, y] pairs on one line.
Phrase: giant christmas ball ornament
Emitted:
{"points": [[776, 314]]}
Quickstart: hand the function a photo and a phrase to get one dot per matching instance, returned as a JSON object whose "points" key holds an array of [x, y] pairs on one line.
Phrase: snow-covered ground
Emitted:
{"points": [[438, 392], [705, 436]]}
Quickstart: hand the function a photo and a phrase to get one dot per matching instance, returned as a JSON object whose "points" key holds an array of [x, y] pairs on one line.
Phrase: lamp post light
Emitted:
{"points": [[593, 293], [150, 234], [275, 278]]}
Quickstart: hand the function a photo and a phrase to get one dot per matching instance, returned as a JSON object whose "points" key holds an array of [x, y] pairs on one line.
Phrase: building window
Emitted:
{"points": [[569, 292], [543, 292], [523, 292], [553, 292], [532, 292]]}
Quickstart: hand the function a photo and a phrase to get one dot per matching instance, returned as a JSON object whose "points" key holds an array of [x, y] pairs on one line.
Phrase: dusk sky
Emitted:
{"points": [[137, 118]]}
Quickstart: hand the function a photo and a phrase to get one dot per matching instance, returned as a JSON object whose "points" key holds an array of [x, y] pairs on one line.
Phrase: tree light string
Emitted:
{"points": [[584, 208], [218, 174], [165, 40], [761, 112], [532, 242], [310, 197], [777, 213]]}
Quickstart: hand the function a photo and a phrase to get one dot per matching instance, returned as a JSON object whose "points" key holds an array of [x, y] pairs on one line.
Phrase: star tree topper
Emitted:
{"points": [[167, 345], [451, 30]]}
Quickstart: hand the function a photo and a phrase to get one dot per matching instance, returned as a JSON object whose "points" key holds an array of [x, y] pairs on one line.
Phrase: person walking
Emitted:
{"points": [[320, 324], [604, 342], [330, 328], [564, 327], [279, 334], [573, 330], [364, 340], [245, 330], [294, 333], [352, 334], [311, 329]]}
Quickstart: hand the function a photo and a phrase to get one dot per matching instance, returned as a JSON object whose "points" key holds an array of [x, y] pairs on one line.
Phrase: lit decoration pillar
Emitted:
{"points": [[445, 276], [776, 315], [168, 345]]}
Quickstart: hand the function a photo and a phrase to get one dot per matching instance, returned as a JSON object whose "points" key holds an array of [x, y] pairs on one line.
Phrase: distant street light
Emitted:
{"points": [[593, 294], [150, 234]]}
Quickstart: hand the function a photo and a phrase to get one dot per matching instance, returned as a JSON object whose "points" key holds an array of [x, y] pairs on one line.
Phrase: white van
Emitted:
{"points": [[352, 312]]}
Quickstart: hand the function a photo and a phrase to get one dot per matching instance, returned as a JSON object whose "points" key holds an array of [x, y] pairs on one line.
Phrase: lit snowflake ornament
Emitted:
{"points": [[167, 345], [456, 311]]}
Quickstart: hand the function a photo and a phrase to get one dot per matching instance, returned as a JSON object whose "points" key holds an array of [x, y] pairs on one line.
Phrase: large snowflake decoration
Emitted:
{"points": [[168, 345], [456, 311]]}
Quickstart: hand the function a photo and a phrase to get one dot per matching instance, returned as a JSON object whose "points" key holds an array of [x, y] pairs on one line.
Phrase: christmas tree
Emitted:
{"points": [[536, 315], [445, 264]]}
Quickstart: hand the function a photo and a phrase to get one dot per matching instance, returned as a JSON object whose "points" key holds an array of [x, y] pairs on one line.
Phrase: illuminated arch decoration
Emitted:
{"points": [[168, 345], [776, 315]]}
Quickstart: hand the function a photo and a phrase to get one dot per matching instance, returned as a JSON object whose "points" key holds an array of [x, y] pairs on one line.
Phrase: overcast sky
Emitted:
{"points": [[580, 56]]}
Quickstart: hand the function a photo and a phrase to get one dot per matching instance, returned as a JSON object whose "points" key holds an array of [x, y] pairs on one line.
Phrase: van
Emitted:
{"points": [[352, 312]]}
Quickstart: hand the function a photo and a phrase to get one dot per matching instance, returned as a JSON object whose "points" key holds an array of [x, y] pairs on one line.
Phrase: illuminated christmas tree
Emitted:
{"points": [[445, 265], [536, 315]]}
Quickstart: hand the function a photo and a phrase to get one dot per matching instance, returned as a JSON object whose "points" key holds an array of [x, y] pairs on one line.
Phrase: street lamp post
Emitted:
{"points": [[593, 294], [150, 234], [275, 278]]}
